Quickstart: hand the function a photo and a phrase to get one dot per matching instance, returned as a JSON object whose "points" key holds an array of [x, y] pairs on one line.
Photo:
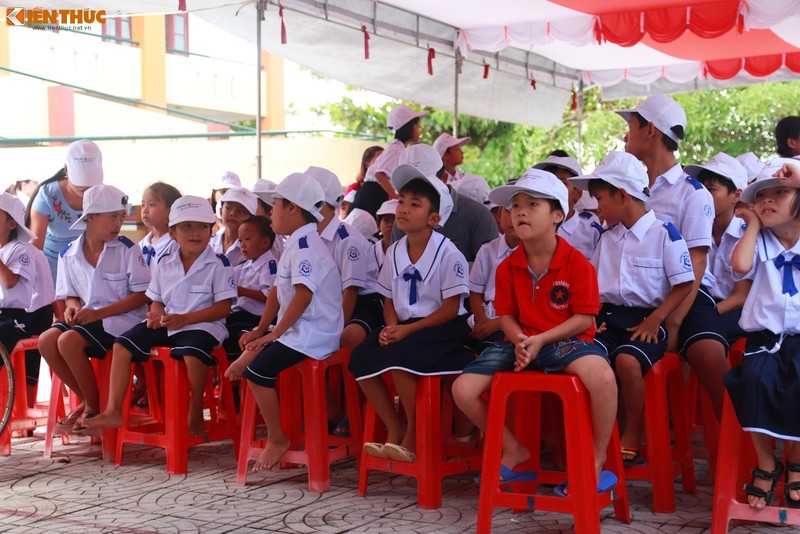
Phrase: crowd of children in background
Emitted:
{"points": [[595, 274]]}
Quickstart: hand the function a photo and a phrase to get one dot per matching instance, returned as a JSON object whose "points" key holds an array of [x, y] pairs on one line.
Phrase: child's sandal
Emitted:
{"points": [[773, 476], [791, 486]]}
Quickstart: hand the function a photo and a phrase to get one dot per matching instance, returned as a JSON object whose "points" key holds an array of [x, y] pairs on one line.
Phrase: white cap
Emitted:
{"points": [[445, 141], [536, 183], [387, 208], [402, 115], [84, 163], [724, 165], [473, 186], [566, 163], [364, 222], [227, 180], [752, 165], [766, 178], [423, 157], [405, 173], [16, 210], [623, 171], [243, 196], [101, 198], [303, 190], [662, 111], [350, 196], [586, 202], [261, 187], [190, 208], [330, 184]]}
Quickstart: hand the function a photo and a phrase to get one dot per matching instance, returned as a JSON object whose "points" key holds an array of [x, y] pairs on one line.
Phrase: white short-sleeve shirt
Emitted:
{"points": [[386, 162], [44, 290], [767, 307], [440, 273], [351, 252], [121, 270], [719, 273], [234, 252], [680, 199], [582, 231], [17, 256], [481, 276], [638, 267], [209, 280], [151, 250], [257, 274], [379, 254], [306, 261]]}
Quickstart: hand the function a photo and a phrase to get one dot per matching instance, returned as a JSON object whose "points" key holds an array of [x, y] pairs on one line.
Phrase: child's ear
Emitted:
{"points": [[559, 216], [433, 219], [172, 233], [736, 195]]}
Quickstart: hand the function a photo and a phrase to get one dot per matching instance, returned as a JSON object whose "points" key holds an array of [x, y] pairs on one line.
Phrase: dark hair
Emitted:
{"points": [[708, 177], [263, 225], [380, 217], [553, 168], [787, 128], [14, 233], [306, 214], [601, 185], [423, 188], [406, 132], [559, 153], [59, 175], [266, 207], [365, 159], [669, 143], [166, 193], [796, 204]]}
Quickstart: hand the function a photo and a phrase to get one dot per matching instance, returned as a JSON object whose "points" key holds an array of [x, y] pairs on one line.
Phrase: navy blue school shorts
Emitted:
{"points": [[99, 340], [703, 322], [552, 358], [195, 343], [237, 324], [368, 313], [617, 340], [273, 358]]}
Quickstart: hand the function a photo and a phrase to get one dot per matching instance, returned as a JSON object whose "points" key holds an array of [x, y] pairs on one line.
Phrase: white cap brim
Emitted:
{"points": [[502, 196], [749, 194], [272, 196], [405, 173]]}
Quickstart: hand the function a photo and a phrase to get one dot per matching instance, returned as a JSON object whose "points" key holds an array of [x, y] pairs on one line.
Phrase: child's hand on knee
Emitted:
{"points": [[526, 351], [246, 338], [86, 316], [69, 315], [646, 331], [153, 320], [257, 343]]}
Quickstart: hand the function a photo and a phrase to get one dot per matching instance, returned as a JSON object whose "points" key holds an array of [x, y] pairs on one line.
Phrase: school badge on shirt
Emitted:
{"points": [[305, 268]]}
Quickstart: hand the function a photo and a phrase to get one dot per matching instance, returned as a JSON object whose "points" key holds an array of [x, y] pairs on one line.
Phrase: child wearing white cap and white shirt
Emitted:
{"points": [[157, 200], [237, 204], [191, 292], [306, 300], [263, 189], [102, 277], [386, 216], [228, 180], [377, 188], [449, 148], [424, 280], [644, 272]]}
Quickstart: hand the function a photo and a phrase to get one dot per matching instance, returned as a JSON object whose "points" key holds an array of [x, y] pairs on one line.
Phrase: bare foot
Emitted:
{"points": [[107, 419], [196, 424], [513, 456], [72, 418], [271, 455], [793, 476]]}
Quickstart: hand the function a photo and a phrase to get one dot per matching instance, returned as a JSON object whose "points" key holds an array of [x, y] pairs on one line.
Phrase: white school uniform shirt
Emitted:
{"points": [[44, 290], [151, 251], [17, 256], [257, 274], [680, 199], [351, 252], [718, 277], [453, 179], [234, 253], [386, 162], [767, 307], [209, 280], [582, 231], [306, 261], [379, 254], [121, 270], [638, 267], [440, 273], [481, 276]]}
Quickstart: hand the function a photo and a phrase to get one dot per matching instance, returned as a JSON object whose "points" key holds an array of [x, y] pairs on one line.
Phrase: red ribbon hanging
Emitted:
{"points": [[598, 30], [533, 84], [366, 41], [574, 104], [283, 24], [431, 55], [181, 5], [485, 70]]}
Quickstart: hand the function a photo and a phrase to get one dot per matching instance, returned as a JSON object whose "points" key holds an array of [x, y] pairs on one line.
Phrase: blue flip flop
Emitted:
{"points": [[507, 476], [607, 481]]}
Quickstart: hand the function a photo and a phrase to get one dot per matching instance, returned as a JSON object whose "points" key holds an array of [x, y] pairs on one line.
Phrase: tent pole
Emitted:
{"points": [[580, 120], [261, 6], [459, 62]]}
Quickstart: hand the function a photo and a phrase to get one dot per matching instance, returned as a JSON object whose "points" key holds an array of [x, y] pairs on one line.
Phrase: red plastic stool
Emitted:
{"points": [[23, 417], [665, 396], [58, 405], [437, 456], [170, 431], [583, 501], [314, 447], [738, 456]]}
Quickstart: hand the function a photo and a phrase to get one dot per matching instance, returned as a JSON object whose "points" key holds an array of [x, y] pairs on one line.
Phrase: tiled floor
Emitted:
{"points": [[76, 492]]}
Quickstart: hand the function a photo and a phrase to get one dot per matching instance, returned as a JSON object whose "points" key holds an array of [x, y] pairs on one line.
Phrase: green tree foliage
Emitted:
{"points": [[735, 121]]}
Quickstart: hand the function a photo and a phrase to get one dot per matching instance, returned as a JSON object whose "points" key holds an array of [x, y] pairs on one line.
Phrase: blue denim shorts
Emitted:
{"points": [[551, 359]]}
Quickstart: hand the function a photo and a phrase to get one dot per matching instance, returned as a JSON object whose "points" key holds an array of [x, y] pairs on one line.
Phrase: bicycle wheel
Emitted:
{"points": [[6, 388]]}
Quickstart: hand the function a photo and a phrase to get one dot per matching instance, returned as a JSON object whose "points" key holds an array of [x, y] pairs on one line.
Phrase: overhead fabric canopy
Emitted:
{"points": [[522, 59]]}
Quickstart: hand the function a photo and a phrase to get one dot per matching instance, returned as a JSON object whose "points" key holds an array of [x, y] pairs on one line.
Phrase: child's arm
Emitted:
{"points": [[446, 313], [389, 313], [483, 325], [699, 258], [528, 347], [737, 297], [300, 301], [215, 312], [647, 330], [744, 252], [254, 294], [270, 312], [155, 314], [7, 277], [129, 303], [349, 297]]}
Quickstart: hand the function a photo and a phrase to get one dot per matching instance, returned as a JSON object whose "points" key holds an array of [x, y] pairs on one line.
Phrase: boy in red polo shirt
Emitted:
{"points": [[546, 298]]}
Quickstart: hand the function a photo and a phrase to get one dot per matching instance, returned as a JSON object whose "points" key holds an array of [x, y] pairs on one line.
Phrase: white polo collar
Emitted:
{"points": [[262, 260], [329, 232], [502, 249], [769, 247], [299, 233], [673, 174], [639, 229], [570, 225], [425, 264], [77, 245]]}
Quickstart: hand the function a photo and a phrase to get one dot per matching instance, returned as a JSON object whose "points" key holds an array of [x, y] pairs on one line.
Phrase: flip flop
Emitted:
{"points": [[507, 476], [374, 449], [607, 481], [630, 451], [69, 421], [398, 453]]}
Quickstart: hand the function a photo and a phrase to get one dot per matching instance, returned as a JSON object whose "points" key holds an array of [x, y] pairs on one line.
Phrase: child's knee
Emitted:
{"points": [[69, 342], [466, 388], [628, 368], [48, 340]]}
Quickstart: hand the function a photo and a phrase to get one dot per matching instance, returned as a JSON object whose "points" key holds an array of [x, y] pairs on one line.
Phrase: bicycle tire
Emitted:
{"points": [[6, 388]]}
